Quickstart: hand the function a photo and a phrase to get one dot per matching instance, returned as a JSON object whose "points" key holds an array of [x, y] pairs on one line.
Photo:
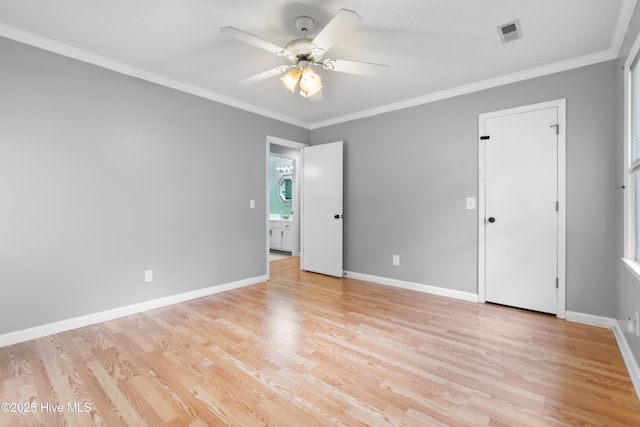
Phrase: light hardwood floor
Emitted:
{"points": [[305, 349]]}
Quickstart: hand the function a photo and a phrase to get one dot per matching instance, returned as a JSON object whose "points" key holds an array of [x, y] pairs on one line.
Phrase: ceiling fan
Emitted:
{"points": [[305, 54]]}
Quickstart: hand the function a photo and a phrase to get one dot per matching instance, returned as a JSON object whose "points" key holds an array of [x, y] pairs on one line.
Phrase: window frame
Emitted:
{"points": [[631, 170]]}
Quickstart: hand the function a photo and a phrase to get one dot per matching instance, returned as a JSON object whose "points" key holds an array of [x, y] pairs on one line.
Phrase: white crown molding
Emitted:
{"points": [[474, 87], [435, 290], [91, 319], [122, 68], [618, 35]]}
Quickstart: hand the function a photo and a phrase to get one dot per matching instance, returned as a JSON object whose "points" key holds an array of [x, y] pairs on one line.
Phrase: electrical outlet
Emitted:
{"points": [[148, 276], [396, 260]]}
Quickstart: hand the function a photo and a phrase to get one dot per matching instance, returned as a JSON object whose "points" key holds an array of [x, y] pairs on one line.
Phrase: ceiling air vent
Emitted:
{"points": [[510, 31]]}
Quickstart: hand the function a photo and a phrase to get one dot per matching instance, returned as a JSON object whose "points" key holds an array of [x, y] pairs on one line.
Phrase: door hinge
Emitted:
{"points": [[557, 206], [557, 126], [557, 283], [485, 138]]}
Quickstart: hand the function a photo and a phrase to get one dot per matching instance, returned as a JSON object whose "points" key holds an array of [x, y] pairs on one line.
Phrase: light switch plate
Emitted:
{"points": [[471, 203], [252, 204]]}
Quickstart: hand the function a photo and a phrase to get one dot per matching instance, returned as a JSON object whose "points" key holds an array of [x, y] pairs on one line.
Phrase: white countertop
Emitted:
{"points": [[277, 217]]}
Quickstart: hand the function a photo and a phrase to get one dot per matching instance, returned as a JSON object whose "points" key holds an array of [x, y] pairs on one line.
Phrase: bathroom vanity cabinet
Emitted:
{"points": [[281, 235]]}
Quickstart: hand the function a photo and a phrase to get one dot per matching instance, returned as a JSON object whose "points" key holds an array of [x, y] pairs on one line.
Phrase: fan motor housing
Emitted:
{"points": [[303, 49]]}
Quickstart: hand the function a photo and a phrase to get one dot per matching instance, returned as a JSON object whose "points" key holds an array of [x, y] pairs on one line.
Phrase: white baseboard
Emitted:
{"points": [[623, 345], [627, 355], [572, 316], [91, 319], [590, 319], [102, 316], [435, 290]]}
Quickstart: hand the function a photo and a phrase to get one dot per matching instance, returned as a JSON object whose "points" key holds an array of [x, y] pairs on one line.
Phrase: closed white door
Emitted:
{"points": [[322, 188], [521, 202]]}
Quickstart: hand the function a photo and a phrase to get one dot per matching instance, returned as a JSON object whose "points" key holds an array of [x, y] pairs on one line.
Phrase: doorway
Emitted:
{"points": [[317, 204], [283, 203], [283, 195], [521, 216]]}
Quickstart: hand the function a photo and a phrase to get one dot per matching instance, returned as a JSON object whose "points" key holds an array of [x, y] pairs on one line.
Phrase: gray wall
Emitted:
{"points": [[407, 174], [103, 176]]}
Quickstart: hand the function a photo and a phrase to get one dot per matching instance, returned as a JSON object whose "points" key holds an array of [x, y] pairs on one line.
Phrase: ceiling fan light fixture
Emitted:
{"points": [[290, 80], [304, 53], [310, 83]]}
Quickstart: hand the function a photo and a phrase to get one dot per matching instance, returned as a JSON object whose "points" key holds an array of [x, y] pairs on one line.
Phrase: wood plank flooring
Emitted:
{"points": [[310, 350]]}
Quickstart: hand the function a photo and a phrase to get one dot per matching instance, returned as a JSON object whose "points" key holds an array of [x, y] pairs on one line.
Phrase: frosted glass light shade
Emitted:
{"points": [[310, 83], [290, 80]]}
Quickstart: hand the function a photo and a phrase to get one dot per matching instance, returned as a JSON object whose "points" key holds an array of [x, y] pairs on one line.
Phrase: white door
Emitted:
{"points": [[322, 177], [520, 215]]}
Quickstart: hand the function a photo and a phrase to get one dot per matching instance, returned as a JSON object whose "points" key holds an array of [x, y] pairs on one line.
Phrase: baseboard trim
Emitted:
{"points": [[590, 319], [571, 316], [627, 356], [621, 339], [102, 316], [435, 290]]}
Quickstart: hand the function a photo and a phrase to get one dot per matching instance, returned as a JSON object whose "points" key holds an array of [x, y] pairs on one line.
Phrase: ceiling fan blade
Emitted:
{"points": [[355, 67], [251, 39], [341, 24], [263, 76]]}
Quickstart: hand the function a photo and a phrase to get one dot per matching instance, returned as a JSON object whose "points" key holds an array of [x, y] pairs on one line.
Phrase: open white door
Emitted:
{"points": [[322, 188]]}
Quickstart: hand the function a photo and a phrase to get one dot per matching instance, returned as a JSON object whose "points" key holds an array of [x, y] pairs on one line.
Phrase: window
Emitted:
{"points": [[636, 214], [634, 153], [632, 160]]}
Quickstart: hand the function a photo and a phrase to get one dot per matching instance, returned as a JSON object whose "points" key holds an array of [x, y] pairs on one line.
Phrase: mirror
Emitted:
{"points": [[285, 189]]}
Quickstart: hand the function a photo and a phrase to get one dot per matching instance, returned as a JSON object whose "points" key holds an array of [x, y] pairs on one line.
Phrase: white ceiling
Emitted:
{"points": [[434, 48]]}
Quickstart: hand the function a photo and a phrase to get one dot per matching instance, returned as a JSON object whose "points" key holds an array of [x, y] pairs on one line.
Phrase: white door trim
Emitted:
{"points": [[560, 104], [285, 143]]}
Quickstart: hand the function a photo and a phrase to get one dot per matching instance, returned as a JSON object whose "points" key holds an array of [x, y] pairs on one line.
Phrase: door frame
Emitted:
{"points": [[560, 104], [298, 194]]}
